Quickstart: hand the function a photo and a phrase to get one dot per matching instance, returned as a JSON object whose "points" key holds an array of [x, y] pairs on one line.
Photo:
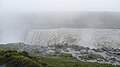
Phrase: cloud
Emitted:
{"points": [[59, 5]]}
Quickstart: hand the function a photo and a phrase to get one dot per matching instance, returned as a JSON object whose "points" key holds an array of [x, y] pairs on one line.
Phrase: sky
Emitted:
{"points": [[7, 6]]}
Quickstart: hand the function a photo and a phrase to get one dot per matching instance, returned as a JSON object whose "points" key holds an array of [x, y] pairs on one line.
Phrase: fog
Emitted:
{"points": [[19, 16], [58, 5]]}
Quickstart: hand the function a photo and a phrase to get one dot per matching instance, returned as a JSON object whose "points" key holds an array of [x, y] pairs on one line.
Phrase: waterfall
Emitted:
{"points": [[83, 37]]}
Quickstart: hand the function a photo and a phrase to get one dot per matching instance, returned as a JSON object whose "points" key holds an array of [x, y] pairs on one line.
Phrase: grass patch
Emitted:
{"points": [[91, 57], [57, 62], [62, 56]]}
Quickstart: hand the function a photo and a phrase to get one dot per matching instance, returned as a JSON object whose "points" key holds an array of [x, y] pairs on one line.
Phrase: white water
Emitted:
{"points": [[83, 37]]}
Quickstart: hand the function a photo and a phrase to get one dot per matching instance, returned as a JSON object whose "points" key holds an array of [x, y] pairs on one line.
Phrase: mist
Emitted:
{"points": [[17, 17]]}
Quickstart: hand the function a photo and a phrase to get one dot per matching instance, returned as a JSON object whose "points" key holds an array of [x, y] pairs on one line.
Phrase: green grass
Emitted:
{"points": [[91, 57], [6, 47], [57, 62], [52, 60], [62, 56]]}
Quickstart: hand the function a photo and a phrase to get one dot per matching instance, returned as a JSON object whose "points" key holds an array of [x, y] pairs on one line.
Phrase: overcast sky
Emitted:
{"points": [[58, 5]]}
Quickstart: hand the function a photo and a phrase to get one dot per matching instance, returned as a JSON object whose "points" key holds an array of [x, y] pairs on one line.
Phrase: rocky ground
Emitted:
{"points": [[85, 54]]}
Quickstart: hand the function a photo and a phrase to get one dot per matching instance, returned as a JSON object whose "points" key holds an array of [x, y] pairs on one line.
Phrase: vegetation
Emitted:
{"points": [[62, 56], [6, 47], [19, 59], [12, 57], [91, 57], [57, 62], [67, 60]]}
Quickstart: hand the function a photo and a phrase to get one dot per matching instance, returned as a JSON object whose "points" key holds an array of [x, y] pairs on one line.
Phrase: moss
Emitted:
{"points": [[18, 59]]}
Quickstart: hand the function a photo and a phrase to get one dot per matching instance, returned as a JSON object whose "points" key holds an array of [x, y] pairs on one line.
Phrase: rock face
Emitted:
{"points": [[83, 37], [80, 53]]}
